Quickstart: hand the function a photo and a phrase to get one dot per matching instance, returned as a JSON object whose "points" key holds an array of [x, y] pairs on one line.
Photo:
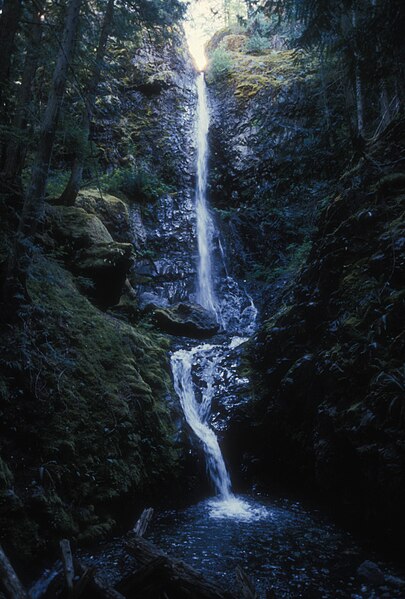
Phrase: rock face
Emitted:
{"points": [[331, 360], [90, 251], [154, 106], [186, 320], [268, 169]]}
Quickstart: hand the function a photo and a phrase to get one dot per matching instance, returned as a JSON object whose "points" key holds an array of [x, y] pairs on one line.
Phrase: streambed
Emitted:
{"points": [[287, 551]]}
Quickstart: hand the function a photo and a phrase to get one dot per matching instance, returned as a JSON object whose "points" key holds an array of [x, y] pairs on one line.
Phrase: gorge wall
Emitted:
{"points": [[318, 234]]}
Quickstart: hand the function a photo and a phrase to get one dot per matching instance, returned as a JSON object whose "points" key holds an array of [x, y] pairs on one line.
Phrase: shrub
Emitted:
{"points": [[138, 183], [257, 44], [220, 64]]}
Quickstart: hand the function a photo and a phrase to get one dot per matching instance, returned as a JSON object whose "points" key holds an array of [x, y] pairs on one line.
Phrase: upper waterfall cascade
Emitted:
{"points": [[205, 226]]}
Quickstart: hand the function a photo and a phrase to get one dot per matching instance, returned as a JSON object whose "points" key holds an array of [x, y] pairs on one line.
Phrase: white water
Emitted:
{"points": [[205, 225], [196, 415], [236, 313]]}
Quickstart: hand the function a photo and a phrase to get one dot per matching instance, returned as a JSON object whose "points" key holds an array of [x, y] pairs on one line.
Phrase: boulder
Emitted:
{"points": [[75, 229], [186, 320], [112, 211], [91, 253], [149, 301], [370, 573]]}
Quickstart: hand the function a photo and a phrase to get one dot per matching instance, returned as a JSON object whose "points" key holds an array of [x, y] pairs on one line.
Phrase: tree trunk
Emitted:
{"points": [[385, 110], [69, 195], [9, 20], [359, 100], [357, 77], [34, 204], [16, 149]]}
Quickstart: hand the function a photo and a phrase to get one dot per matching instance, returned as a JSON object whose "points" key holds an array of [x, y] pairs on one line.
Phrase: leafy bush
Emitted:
{"points": [[257, 44], [220, 64], [138, 183]]}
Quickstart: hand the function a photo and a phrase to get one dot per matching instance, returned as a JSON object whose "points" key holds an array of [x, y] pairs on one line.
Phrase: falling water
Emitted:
{"points": [[205, 226], [235, 312], [196, 414]]}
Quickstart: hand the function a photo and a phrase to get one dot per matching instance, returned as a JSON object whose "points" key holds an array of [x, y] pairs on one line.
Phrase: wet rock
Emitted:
{"points": [[370, 573], [148, 301], [186, 320]]}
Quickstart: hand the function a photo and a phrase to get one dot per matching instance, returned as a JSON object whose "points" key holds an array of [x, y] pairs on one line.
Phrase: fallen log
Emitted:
{"points": [[91, 582], [11, 583], [162, 574], [143, 522], [67, 560]]}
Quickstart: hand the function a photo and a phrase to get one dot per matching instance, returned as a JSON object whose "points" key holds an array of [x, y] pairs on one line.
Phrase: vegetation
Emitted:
{"points": [[83, 379]]}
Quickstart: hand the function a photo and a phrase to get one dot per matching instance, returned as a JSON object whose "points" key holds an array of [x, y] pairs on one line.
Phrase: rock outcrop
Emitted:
{"points": [[186, 320], [87, 426], [331, 360]]}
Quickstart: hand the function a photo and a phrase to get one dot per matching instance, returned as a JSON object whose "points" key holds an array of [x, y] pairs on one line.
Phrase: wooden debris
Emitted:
{"points": [[91, 582], [67, 560], [158, 575], [162, 574], [246, 587], [12, 585], [143, 522]]}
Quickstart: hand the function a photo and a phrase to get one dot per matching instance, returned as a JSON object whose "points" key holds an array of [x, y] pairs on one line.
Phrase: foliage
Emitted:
{"points": [[220, 65], [138, 183], [256, 44]]}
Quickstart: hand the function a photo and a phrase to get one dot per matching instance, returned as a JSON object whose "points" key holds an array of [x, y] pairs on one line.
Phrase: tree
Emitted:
{"points": [[72, 189], [16, 148], [34, 204]]}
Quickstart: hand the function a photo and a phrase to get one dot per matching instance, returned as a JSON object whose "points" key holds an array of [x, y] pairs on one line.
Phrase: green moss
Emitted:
{"points": [[76, 227], [94, 416], [249, 72]]}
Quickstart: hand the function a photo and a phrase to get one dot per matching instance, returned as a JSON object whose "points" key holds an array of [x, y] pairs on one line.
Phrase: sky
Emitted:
{"points": [[204, 18]]}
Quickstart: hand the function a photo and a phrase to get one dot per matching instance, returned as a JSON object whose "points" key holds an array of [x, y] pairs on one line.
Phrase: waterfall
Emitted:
{"points": [[235, 312], [205, 226], [196, 414]]}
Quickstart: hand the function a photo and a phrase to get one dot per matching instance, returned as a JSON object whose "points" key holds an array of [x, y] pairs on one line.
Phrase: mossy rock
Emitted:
{"points": [[112, 211], [186, 320], [91, 420], [75, 228]]}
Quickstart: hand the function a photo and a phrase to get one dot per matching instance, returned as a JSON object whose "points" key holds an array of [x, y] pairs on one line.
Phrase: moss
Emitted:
{"points": [[92, 413], [274, 70], [76, 227], [112, 211]]}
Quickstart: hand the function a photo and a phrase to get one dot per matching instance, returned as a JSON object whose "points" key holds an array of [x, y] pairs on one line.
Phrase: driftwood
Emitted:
{"points": [[67, 560], [162, 574], [90, 582], [246, 587], [11, 583], [157, 577], [143, 522]]}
